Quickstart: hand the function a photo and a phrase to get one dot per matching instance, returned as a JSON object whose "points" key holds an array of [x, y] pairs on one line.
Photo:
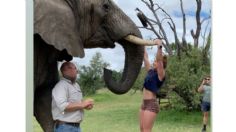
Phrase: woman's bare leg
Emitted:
{"points": [[141, 115], [148, 120]]}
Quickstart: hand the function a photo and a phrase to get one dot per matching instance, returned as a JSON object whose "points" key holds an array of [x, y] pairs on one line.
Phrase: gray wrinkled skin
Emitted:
{"points": [[60, 33]]}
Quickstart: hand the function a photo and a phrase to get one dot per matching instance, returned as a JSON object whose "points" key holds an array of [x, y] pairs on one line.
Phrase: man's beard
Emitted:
{"points": [[72, 79]]}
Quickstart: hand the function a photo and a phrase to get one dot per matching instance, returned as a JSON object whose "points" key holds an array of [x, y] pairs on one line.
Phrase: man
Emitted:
{"points": [[67, 103], [205, 88]]}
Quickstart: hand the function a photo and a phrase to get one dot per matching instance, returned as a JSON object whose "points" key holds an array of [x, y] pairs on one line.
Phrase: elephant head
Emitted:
{"points": [[73, 25]]}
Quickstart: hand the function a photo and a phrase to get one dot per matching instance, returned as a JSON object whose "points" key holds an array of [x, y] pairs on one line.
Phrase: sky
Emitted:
{"points": [[115, 57], [17, 46]]}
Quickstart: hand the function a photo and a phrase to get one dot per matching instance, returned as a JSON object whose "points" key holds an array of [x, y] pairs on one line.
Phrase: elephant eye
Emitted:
{"points": [[106, 7]]}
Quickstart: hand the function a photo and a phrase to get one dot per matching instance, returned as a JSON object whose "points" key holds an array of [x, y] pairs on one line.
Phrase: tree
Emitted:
{"points": [[90, 77], [187, 63], [138, 85], [161, 17], [117, 75], [186, 75]]}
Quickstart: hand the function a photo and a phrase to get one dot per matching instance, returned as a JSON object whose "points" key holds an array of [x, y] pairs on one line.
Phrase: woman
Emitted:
{"points": [[153, 81]]}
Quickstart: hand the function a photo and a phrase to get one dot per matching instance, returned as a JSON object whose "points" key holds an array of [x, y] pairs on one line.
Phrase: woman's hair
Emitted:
{"points": [[164, 61]]}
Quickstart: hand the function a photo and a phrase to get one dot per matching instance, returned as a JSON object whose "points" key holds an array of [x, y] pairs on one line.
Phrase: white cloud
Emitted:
{"points": [[116, 56]]}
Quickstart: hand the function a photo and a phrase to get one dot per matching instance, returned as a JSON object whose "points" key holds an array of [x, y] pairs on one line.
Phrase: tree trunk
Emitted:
{"points": [[184, 42], [206, 49], [198, 29]]}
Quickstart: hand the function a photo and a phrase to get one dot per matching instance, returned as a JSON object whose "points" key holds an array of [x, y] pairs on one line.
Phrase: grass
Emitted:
{"points": [[119, 113]]}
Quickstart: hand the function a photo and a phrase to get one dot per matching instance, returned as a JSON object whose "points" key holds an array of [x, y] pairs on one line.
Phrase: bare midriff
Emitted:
{"points": [[148, 94]]}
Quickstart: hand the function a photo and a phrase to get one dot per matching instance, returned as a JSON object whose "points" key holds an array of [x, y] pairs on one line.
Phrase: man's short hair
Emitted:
{"points": [[207, 76], [64, 65]]}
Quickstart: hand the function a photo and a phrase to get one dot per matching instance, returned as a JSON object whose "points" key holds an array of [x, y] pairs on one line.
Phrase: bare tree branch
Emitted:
{"points": [[150, 24], [161, 27], [178, 47], [158, 8], [204, 34], [149, 19], [151, 2], [184, 42], [206, 50], [192, 33], [207, 47], [205, 19], [198, 29], [168, 16], [151, 7], [173, 28], [164, 19], [161, 33], [147, 4]]}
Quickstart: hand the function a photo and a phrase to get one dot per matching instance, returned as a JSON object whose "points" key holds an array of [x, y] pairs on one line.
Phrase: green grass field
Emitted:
{"points": [[119, 113]]}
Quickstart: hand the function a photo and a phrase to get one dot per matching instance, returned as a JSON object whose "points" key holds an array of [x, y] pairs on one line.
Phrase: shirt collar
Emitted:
{"points": [[69, 81]]}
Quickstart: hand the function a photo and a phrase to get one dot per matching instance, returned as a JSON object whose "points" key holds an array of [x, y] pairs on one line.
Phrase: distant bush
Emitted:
{"points": [[185, 75], [90, 77]]}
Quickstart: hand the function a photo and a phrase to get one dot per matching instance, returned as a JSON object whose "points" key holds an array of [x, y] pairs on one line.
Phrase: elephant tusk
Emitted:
{"points": [[139, 41]]}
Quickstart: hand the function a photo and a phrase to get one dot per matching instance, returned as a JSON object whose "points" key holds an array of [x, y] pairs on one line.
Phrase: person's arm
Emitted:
{"points": [[146, 61], [200, 88], [78, 105], [59, 94], [159, 58]]}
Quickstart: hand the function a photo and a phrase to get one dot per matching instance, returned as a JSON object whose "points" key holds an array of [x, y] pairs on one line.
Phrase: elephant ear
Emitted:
{"points": [[54, 21]]}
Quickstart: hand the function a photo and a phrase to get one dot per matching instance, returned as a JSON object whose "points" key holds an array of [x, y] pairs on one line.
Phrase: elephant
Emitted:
{"points": [[63, 28]]}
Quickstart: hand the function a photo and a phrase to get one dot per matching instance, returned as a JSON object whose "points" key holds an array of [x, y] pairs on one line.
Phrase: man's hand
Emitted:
{"points": [[89, 107], [203, 81], [200, 88], [88, 104]]}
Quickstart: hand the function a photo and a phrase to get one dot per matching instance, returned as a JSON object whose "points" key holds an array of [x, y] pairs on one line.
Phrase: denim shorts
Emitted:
{"points": [[206, 106], [66, 128]]}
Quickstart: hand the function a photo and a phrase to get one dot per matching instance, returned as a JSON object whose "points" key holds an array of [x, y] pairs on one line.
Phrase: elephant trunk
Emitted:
{"points": [[120, 28], [133, 63]]}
